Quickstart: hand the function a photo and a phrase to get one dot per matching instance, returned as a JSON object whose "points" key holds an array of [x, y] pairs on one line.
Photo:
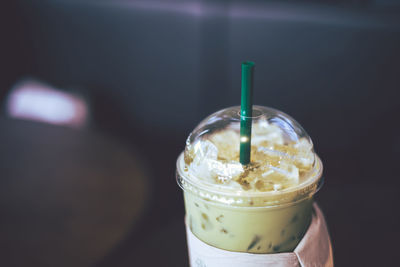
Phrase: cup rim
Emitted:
{"points": [[239, 197]]}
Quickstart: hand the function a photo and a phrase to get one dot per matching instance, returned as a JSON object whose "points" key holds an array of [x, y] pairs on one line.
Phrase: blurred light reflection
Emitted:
{"points": [[39, 102], [322, 13]]}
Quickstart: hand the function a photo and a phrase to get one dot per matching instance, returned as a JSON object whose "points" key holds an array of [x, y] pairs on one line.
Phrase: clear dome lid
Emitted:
{"points": [[283, 165]]}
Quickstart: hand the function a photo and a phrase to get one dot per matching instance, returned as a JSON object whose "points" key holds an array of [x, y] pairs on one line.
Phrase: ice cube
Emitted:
{"points": [[227, 137], [263, 131], [305, 155], [267, 173], [277, 187], [205, 149], [206, 165], [288, 170], [228, 144], [284, 171], [202, 152], [273, 153], [224, 172]]}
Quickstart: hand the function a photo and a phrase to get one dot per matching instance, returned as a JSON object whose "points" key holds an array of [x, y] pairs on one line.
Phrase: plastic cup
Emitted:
{"points": [[264, 207]]}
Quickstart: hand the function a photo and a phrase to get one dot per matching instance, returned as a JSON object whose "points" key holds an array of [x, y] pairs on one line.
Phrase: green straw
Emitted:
{"points": [[246, 111]]}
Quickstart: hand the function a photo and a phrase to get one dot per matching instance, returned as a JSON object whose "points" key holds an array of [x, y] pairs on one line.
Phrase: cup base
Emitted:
{"points": [[315, 249]]}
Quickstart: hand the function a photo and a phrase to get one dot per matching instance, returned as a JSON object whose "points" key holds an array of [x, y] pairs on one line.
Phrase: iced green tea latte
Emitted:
{"points": [[262, 207]]}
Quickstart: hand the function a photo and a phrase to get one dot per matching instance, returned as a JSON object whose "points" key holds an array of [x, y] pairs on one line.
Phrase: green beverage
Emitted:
{"points": [[262, 207]]}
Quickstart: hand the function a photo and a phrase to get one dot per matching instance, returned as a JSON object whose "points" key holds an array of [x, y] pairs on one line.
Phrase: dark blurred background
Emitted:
{"points": [[98, 97]]}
